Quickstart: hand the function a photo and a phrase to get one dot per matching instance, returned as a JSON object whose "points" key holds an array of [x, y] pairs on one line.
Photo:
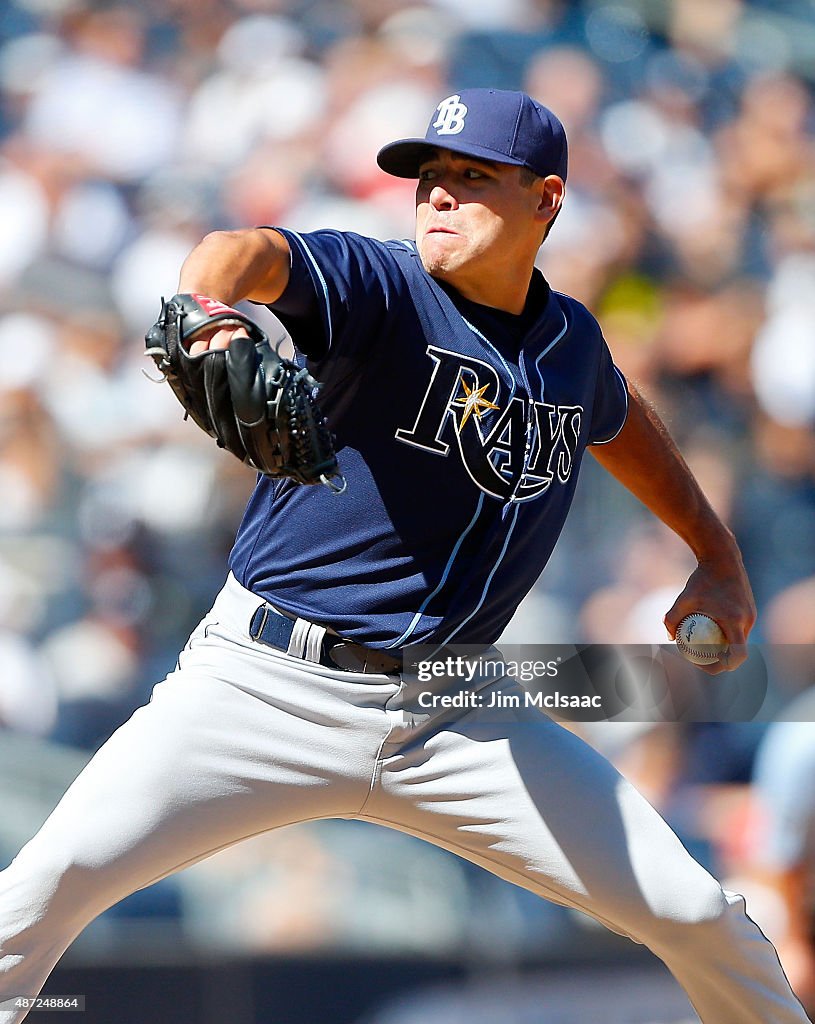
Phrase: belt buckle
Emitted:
{"points": [[346, 655], [355, 658], [258, 622]]}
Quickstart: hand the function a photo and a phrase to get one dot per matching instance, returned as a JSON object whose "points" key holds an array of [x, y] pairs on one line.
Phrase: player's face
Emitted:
{"points": [[478, 227]]}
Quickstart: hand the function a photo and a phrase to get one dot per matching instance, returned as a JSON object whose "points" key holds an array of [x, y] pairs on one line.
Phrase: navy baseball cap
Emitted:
{"points": [[494, 124]]}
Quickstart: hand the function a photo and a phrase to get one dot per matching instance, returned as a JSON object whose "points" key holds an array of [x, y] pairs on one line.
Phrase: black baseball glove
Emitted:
{"points": [[255, 403]]}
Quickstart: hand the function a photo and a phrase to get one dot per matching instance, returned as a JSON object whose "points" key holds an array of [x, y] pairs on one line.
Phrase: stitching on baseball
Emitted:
{"points": [[715, 650]]}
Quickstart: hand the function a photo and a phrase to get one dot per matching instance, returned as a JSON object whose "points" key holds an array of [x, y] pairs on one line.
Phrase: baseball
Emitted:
{"points": [[700, 639]]}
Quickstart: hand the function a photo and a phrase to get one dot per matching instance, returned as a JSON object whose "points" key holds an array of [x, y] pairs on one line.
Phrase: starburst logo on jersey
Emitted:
{"points": [[474, 402], [451, 116], [510, 449]]}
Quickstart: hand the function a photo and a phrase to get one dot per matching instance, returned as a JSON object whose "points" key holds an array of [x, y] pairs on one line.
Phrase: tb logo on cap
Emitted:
{"points": [[451, 116]]}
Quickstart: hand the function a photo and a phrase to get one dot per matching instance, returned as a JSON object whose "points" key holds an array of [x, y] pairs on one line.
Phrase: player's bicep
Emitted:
{"points": [[230, 266], [274, 259]]}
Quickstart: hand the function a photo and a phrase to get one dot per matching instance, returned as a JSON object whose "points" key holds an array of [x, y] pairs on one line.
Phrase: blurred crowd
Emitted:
{"points": [[128, 131]]}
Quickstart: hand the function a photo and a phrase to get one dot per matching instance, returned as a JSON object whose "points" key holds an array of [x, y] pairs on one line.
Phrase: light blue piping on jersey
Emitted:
{"points": [[309, 255], [513, 498], [417, 617], [516, 505], [616, 433], [504, 363], [513, 388], [493, 571], [549, 348]]}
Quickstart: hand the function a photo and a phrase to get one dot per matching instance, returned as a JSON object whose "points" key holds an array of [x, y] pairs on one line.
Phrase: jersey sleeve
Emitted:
{"points": [[610, 400], [340, 290]]}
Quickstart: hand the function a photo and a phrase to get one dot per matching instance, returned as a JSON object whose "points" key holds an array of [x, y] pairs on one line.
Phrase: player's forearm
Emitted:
{"points": [[644, 458], [235, 265]]}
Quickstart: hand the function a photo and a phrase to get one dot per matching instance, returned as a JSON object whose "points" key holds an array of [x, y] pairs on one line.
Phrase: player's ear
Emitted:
{"points": [[552, 191]]}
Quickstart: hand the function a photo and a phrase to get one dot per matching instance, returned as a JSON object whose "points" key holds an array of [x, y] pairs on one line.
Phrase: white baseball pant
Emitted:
{"points": [[242, 738]]}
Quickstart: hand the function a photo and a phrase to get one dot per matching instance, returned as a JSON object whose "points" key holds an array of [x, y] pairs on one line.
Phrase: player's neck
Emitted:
{"points": [[503, 293], [504, 296], [495, 322]]}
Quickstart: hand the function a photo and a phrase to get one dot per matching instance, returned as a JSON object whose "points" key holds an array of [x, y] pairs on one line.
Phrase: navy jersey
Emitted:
{"points": [[460, 431]]}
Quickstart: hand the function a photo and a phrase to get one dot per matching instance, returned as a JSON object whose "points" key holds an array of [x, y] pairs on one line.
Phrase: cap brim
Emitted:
{"points": [[404, 157]]}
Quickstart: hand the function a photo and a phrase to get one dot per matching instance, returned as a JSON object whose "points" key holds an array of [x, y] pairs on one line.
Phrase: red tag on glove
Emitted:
{"points": [[213, 307]]}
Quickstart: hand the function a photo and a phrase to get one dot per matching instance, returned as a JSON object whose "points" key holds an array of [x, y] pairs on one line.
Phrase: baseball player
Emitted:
{"points": [[463, 392]]}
